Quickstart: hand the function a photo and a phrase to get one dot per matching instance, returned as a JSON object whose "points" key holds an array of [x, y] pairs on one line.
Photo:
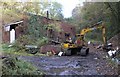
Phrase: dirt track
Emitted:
{"points": [[94, 64]]}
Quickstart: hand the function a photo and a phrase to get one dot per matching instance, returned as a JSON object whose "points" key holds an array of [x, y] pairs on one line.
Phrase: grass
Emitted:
{"points": [[12, 51], [18, 67]]}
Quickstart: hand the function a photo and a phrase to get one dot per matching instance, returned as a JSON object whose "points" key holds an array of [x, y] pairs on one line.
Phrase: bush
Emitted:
{"points": [[13, 66], [7, 49], [42, 41], [20, 43]]}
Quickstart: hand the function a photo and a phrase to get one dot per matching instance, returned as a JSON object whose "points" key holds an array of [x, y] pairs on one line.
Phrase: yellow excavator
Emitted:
{"points": [[79, 46]]}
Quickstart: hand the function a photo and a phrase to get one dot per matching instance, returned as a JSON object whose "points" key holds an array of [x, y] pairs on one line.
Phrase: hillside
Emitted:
{"points": [[115, 40]]}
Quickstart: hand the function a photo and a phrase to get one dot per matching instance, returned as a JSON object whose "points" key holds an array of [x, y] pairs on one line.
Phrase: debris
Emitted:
{"points": [[60, 53], [3, 57], [109, 44], [96, 58], [113, 59], [112, 53], [68, 72], [89, 42], [99, 46], [117, 48], [106, 56], [31, 46], [10, 45], [53, 52], [115, 41], [49, 53], [45, 48]]}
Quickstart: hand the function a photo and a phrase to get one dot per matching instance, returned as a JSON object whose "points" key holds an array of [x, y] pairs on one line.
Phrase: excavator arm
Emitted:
{"points": [[99, 25], [89, 29], [79, 46]]}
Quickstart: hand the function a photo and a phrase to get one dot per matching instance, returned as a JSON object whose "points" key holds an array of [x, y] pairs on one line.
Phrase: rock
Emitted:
{"points": [[96, 58]]}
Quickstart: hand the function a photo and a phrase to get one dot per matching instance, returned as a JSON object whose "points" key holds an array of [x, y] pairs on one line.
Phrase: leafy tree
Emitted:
{"points": [[114, 17], [87, 15], [54, 9], [34, 7]]}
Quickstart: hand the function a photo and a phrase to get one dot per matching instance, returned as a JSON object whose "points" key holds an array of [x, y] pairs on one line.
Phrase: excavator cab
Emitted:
{"points": [[77, 47]]}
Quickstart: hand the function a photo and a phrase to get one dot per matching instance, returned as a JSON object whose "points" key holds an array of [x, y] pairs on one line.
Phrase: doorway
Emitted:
{"points": [[12, 36]]}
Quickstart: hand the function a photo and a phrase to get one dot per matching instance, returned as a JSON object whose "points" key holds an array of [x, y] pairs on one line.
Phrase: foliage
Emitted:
{"points": [[93, 12], [54, 9], [9, 12], [35, 26], [12, 51], [19, 44], [15, 10], [13, 66], [55, 26], [42, 41], [114, 17], [18, 47]]}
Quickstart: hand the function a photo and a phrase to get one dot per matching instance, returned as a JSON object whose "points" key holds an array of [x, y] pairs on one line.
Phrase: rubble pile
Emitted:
{"points": [[115, 44]]}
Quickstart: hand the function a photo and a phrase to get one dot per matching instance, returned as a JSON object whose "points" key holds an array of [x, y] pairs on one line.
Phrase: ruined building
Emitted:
{"points": [[11, 31]]}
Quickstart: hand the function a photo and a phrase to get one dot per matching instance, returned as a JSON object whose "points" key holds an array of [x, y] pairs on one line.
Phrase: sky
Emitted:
{"points": [[69, 5]]}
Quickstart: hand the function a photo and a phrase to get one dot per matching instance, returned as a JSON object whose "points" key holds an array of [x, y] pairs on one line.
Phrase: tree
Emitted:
{"points": [[54, 9], [115, 16], [91, 13]]}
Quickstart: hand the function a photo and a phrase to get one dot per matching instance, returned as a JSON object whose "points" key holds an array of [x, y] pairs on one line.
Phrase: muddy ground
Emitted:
{"points": [[94, 64]]}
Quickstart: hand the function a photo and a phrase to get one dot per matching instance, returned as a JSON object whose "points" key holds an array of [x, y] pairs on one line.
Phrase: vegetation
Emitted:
{"points": [[13, 66], [93, 12], [33, 11], [82, 16], [55, 26], [13, 9]]}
